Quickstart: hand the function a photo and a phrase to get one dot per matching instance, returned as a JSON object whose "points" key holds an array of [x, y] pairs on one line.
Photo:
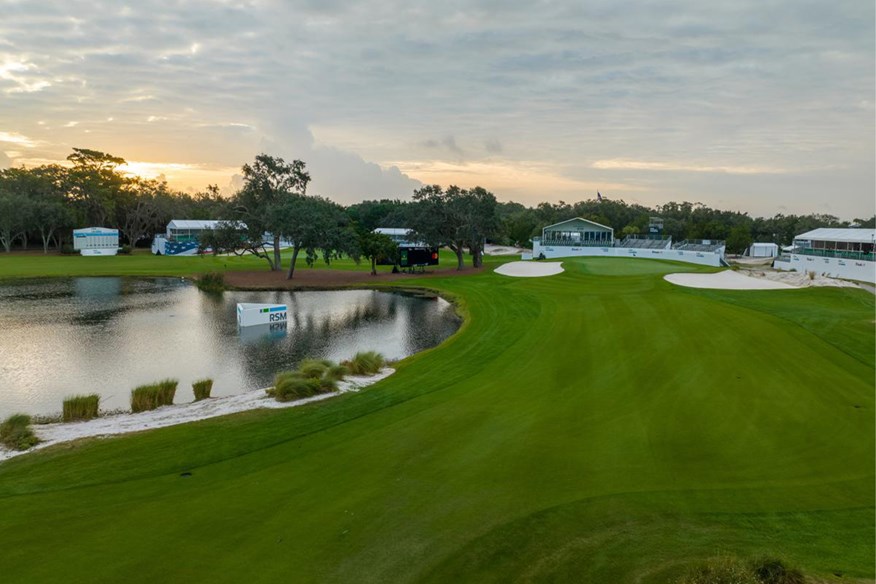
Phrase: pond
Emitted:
{"points": [[107, 335]]}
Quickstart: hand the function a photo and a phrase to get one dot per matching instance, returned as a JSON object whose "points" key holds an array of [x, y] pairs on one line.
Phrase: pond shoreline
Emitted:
{"points": [[407, 326], [128, 423]]}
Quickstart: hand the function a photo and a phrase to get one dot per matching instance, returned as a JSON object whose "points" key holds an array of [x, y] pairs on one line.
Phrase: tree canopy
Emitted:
{"points": [[45, 202]]}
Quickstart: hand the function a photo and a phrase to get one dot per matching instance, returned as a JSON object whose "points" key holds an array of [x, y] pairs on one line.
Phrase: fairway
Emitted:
{"points": [[598, 425]]}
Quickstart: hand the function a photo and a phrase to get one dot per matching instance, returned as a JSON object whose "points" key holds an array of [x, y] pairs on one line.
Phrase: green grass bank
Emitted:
{"points": [[601, 425]]}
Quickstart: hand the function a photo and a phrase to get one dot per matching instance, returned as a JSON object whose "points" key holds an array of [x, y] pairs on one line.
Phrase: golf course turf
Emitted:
{"points": [[600, 425]]}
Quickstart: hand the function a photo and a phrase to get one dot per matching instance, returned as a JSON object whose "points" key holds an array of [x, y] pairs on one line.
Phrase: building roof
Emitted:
{"points": [[580, 219], [763, 244], [100, 230], [850, 234], [192, 224], [393, 230]]}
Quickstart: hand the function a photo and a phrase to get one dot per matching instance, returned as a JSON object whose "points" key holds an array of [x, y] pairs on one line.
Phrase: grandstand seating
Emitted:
{"points": [[686, 245], [643, 243]]}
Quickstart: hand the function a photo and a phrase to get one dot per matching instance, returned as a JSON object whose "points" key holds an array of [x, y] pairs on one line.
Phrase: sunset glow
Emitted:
{"points": [[640, 102]]}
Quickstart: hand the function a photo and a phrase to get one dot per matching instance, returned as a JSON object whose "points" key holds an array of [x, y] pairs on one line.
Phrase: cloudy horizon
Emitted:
{"points": [[764, 107]]}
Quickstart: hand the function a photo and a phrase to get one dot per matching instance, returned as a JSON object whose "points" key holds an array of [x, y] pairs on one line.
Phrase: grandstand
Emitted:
{"points": [[836, 252], [702, 245], [646, 242], [581, 237]]}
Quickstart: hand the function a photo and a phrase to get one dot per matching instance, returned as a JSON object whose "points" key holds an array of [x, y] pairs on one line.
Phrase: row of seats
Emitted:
{"points": [[636, 242], [698, 246]]}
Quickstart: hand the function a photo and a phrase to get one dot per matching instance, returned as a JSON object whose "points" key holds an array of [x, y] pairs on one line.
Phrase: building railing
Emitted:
{"points": [[648, 236], [576, 243], [835, 253], [712, 245]]}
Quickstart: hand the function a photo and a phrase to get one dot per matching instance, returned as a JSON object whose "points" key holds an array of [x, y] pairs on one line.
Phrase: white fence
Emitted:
{"points": [[848, 269], [703, 258]]}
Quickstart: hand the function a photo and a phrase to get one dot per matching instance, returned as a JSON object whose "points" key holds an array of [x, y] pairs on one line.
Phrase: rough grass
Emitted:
{"points": [[600, 425], [365, 363], [149, 397], [202, 388], [81, 407], [142, 263], [15, 433]]}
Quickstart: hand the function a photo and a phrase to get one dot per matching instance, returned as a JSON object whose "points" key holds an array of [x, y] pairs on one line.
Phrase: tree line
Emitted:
{"points": [[44, 203]]}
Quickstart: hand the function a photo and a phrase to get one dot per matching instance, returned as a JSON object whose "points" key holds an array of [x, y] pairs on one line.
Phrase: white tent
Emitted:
{"points": [[763, 250]]}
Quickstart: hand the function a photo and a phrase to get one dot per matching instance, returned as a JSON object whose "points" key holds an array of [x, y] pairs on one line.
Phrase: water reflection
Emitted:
{"points": [[107, 335]]}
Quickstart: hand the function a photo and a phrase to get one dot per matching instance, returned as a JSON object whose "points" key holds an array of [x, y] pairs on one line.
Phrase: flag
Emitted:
{"points": [[598, 197]]}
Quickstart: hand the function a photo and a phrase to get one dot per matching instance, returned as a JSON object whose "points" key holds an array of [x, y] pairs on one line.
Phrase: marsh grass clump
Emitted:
{"points": [[166, 391], [774, 571], [732, 570], [365, 363], [291, 385], [80, 407], [313, 376], [314, 368], [213, 282], [722, 570], [202, 388], [336, 372], [149, 397], [15, 433]]}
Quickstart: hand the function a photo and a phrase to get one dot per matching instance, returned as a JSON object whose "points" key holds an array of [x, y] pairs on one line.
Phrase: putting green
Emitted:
{"points": [[600, 425]]}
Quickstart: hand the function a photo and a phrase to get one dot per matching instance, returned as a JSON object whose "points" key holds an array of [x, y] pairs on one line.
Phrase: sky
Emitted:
{"points": [[763, 106]]}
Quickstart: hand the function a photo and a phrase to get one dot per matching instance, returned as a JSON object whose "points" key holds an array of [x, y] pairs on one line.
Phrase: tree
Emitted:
{"points": [[270, 183], [232, 237], [739, 239], [316, 226], [376, 247], [50, 210], [370, 215], [17, 199], [138, 208], [95, 184], [480, 221], [439, 218]]}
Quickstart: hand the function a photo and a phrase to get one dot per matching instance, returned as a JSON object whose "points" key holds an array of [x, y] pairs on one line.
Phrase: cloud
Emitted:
{"points": [[5, 161], [662, 99], [683, 167], [339, 174], [17, 139]]}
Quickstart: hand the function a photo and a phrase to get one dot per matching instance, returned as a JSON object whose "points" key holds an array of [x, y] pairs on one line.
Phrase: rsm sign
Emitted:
{"points": [[249, 314]]}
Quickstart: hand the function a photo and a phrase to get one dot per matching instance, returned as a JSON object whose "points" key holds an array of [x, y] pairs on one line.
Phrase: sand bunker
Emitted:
{"points": [[799, 279], [530, 269], [179, 414], [756, 280], [726, 280], [502, 250]]}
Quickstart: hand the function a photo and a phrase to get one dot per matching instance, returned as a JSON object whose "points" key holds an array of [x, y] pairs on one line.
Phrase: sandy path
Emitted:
{"points": [[530, 269], [165, 416]]}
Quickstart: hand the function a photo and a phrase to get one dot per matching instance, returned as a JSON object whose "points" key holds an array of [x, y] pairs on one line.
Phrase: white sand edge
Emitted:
{"points": [[530, 269], [754, 280], [162, 417], [726, 280]]}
